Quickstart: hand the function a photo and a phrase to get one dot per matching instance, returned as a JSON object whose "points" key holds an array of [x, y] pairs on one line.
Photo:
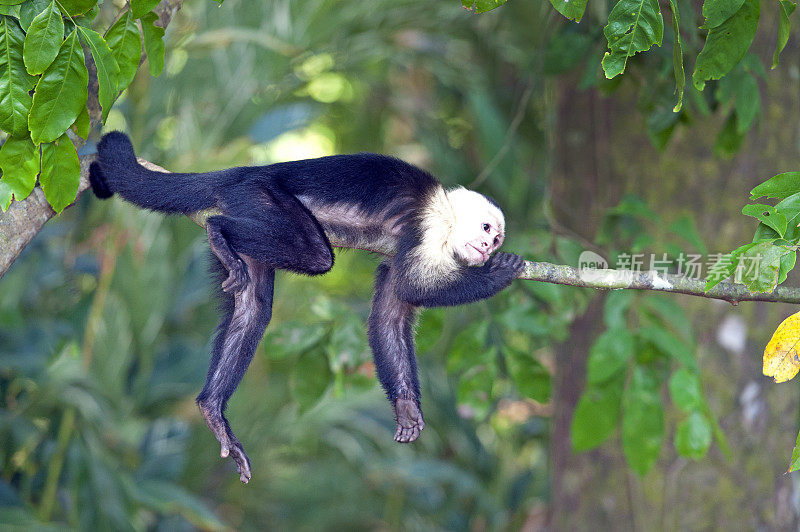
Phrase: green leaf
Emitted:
{"points": [[768, 215], [475, 386], [741, 86], [661, 124], [794, 465], [61, 172], [596, 416], [347, 346], [684, 388], [310, 378], [77, 7], [565, 51], [787, 265], [760, 266], [642, 422], [43, 40], [726, 44], [780, 186], [11, 11], [721, 270], [477, 6], [107, 68], [82, 125], [11, 2], [633, 26], [168, 499], [726, 266], [636, 207], [126, 46], [785, 10], [153, 43], [15, 82], [672, 313], [693, 436], [789, 207], [572, 9], [729, 139], [19, 161], [28, 11], [609, 355], [530, 376], [60, 94], [677, 56], [718, 11], [140, 8], [751, 63], [293, 338], [686, 229], [669, 344], [5, 195], [615, 307]]}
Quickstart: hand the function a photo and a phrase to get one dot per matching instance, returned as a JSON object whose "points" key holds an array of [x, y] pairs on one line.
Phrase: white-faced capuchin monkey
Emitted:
{"points": [[280, 217]]}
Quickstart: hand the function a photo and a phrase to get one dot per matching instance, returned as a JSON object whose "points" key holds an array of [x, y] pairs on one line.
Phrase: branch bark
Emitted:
{"points": [[25, 219]]}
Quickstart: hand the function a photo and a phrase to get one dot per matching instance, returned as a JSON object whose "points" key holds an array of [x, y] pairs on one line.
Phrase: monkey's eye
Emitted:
{"points": [[496, 240], [486, 227]]}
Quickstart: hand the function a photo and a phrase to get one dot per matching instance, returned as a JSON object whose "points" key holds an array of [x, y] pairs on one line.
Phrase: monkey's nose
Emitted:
{"points": [[485, 244]]}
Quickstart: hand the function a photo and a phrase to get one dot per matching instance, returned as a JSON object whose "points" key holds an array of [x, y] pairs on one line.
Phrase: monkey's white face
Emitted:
{"points": [[479, 226]]}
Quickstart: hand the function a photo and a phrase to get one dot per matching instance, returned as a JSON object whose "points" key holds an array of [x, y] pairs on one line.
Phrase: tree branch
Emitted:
{"points": [[25, 219]]}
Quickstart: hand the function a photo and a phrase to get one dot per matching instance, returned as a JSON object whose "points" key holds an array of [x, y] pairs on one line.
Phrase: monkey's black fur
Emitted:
{"points": [[277, 217]]}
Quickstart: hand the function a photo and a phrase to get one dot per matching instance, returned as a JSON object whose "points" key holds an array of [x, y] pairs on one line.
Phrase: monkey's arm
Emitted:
{"points": [[391, 337], [472, 284]]}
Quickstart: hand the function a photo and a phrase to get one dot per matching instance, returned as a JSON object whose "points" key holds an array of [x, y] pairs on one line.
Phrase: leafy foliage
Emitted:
{"points": [[43, 55], [633, 26], [647, 348], [483, 464], [765, 262]]}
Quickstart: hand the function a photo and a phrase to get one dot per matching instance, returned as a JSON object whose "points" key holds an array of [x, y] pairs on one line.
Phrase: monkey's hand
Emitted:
{"points": [[409, 420], [237, 277], [505, 267], [229, 443]]}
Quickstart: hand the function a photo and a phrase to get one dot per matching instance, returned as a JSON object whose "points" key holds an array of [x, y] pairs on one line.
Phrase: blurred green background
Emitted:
{"points": [[106, 318]]}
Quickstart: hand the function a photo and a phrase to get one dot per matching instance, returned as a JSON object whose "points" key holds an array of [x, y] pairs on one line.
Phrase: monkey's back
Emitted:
{"points": [[372, 181]]}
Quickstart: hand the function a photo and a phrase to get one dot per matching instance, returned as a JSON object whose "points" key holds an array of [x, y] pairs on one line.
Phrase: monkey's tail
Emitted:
{"points": [[116, 170]]}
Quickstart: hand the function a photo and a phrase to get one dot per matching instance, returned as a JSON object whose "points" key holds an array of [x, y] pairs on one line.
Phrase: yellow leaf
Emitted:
{"points": [[781, 357]]}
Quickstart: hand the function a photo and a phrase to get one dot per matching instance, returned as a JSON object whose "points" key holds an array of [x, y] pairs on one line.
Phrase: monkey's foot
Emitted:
{"points": [[409, 420], [237, 278], [229, 443]]}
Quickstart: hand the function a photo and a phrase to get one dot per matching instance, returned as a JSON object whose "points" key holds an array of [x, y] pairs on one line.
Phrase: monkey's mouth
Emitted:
{"points": [[474, 260]]}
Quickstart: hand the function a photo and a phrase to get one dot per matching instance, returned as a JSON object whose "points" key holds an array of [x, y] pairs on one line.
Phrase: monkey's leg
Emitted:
{"points": [[237, 271], [391, 338], [236, 341], [272, 226]]}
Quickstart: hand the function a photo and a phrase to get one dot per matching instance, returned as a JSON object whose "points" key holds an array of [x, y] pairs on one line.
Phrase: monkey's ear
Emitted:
{"points": [[98, 181]]}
